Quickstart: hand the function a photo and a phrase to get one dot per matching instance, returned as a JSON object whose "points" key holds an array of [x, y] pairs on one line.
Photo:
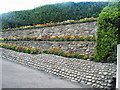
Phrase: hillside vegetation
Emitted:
{"points": [[52, 13]]}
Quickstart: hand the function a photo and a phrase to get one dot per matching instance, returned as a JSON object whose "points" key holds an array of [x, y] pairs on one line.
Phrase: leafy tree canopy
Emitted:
{"points": [[53, 12]]}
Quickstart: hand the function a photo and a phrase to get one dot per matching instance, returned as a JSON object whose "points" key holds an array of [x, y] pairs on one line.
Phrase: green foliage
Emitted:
{"points": [[108, 33], [54, 12], [47, 51], [73, 55]]}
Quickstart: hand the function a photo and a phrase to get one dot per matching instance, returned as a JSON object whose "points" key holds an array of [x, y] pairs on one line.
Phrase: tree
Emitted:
{"points": [[54, 12]]}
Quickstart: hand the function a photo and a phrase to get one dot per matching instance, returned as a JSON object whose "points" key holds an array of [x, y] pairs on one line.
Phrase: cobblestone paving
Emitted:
{"points": [[94, 74]]}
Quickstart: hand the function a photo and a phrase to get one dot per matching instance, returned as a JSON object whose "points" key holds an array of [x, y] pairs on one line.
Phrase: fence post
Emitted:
{"points": [[118, 68]]}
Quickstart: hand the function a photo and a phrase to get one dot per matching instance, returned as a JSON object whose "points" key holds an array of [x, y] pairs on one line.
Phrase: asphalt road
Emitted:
{"points": [[19, 76]]}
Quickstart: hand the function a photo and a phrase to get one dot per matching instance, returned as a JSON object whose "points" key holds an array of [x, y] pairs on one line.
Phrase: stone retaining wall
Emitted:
{"points": [[72, 29], [79, 46], [94, 74]]}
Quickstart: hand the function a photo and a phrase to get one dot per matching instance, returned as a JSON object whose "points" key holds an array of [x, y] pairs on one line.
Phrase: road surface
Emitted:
{"points": [[19, 76]]}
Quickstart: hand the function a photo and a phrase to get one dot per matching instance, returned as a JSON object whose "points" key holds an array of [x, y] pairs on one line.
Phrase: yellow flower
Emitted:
{"points": [[82, 20], [3, 44], [92, 18], [86, 57], [39, 25], [60, 36], [81, 36], [1, 38], [68, 55], [72, 36], [27, 26], [53, 36], [39, 38], [10, 37], [65, 52], [47, 23], [72, 20], [80, 54], [8, 29]]}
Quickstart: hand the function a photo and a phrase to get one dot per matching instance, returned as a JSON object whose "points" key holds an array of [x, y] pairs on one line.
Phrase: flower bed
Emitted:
{"points": [[51, 38], [24, 49], [91, 19], [55, 51]]}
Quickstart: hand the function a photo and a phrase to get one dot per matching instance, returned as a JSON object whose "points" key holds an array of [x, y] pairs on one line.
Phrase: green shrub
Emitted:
{"points": [[47, 51], [91, 58], [73, 55], [60, 53], [61, 39], [34, 51], [72, 39], [108, 34]]}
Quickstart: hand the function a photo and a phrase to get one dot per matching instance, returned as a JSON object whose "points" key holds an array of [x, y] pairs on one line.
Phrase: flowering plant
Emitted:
{"points": [[27, 49], [51, 38], [53, 24]]}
